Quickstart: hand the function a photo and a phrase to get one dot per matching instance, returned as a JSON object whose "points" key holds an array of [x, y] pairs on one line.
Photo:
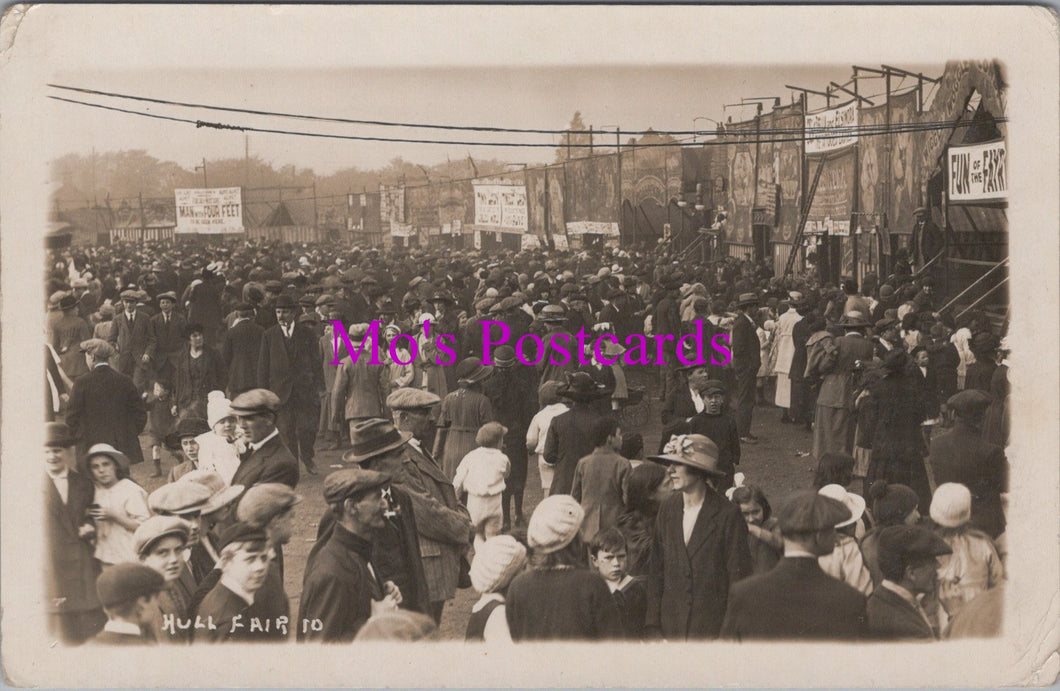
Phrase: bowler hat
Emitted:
{"points": [[256, 401], [580, 386], [68, 301], [342, 484], [285, 301], [472, 371], [186, 427], [692, 450], [552, 314], [127, 582], [58, 434], [373, 437]]}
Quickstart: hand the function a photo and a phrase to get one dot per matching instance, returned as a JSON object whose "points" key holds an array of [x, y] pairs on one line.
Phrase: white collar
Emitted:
{"points": [[626, 580], [63, 475], [795, 552], [486, 599], [901, 592], [120, 626], [237, 589], [254, 446]]}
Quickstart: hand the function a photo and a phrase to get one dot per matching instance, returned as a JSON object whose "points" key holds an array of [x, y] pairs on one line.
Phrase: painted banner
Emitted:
{"points": [[978, 172], [832, 130], [528, 241], [402, 230], [391, 204], [501, 206], [833, 202], [592, 228], [787, 164], [209, 211], [872, 152], [905, 171]]}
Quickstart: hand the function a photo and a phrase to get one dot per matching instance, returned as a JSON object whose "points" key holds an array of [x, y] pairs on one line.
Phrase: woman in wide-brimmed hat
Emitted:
{"points": [[462, 413], [700, 546], [119, 505]]}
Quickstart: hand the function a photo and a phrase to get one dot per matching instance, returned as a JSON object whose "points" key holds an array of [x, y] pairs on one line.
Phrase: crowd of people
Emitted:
{"points": [[226, 362]]}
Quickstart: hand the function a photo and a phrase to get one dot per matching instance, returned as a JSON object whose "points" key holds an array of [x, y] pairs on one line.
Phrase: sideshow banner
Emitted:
{"points": [[742, 182], [501, 206], [209, 211], [977, 173], [834, 199], [905, 188], [872, 163], [787, 164], [595, 180], [392, 204], [592, 228], [832, 130]]}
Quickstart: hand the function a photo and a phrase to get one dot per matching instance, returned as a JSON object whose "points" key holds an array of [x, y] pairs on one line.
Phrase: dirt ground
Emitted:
{"points": [[779, 463]]}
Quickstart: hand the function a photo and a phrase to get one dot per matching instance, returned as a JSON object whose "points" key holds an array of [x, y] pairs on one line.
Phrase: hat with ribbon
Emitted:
{"points": [[370, 438]]}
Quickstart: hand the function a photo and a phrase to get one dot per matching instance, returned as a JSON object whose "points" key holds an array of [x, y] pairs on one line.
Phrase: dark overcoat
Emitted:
{"points": [[689, 585], [795, 600], [961, 455], [290, 368], [106, 408], [569, 439], [240, 350], [271, 463], [892, 618], [70, 569]]}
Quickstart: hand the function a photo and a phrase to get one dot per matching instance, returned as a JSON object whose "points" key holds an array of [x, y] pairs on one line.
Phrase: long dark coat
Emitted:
{"points": [[689, 585], [166, 340], [569, 439], [106, 408], [130, 339], [70, 569], [338, 588], [961, 455], [291, 370], [190, 392], [271, 463], [898, 447], [795, 600], [512, 394], [240, 351]]}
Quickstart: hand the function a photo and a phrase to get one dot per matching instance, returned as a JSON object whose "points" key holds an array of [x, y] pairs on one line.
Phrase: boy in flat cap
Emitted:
{"points": [[340, 590], [128, 592], [797, 600], [267, 458], [907, 559], [233, 609]]}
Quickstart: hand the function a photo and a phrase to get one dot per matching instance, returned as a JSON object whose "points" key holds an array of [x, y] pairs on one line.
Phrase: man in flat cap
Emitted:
{"points": [[290, 366], [340, 590], [73, 607], [234, 606], [266, 458], [442, 524], [165, 339], [796, 599], [105, 406], [908, 560], [129, 333], [961, 455], [128, 592]]}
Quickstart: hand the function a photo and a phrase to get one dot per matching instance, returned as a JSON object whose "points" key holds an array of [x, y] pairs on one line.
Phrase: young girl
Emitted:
{"points": [[497, 561], [481, 474], [551, 406], [974, 566], [217, 448], [763, 539], [845, 562], [160, 420], [118, 507]]}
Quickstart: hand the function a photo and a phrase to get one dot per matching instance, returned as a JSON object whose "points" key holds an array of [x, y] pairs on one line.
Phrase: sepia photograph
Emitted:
{"points": [[529, 346]]}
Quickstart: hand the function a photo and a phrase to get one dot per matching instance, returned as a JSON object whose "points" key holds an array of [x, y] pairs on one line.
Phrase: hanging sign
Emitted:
{"points": [[831, 130], [501, 206], [209, 211], [978, 172]]}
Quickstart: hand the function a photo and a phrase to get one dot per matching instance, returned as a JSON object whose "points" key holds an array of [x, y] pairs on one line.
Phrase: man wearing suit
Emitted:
{"points": [[746, 359], [665, 323], [289, 366], [796, 599], [241, 349], [907, 559], [73, 607], [833, 429], [569, 436], [685, 401], [266, 459], [166, 336], [105, 406], [129, 334]]}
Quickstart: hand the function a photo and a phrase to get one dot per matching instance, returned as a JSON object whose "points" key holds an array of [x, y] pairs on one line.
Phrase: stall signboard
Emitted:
{"points": [[502, 207], [211, 211], [832, 129], [560, 241], [592, 228], [529, 241], [977, 173]]}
